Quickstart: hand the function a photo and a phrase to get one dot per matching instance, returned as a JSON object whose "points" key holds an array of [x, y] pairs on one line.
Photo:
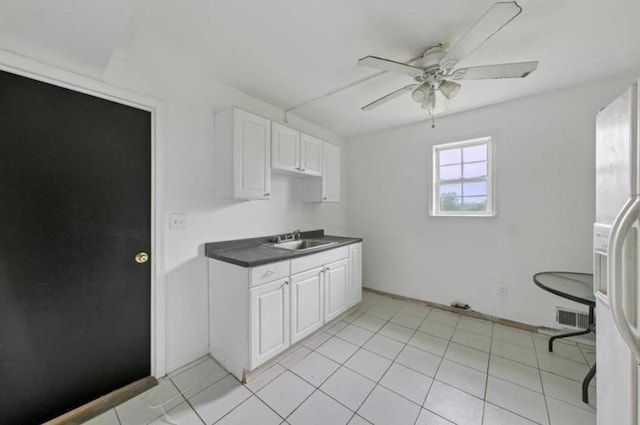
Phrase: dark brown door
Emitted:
{"points": [[75, 199]]}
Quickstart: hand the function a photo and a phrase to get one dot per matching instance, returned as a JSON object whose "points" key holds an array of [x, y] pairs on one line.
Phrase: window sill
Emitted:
{"points": [[486, 215]]}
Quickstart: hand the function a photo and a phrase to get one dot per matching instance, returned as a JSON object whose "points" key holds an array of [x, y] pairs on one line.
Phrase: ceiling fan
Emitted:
{"points": [[434, 72]]}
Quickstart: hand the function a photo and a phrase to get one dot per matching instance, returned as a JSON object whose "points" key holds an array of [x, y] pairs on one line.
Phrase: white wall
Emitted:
{"points": [[190, 101], [545, 168]]}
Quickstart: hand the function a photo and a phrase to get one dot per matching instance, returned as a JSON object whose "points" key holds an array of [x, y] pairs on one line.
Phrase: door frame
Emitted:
{"points": [[29, 68]]}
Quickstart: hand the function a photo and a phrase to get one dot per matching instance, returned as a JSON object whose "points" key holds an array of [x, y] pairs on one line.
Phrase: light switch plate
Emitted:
{"points": [[177, 221]]}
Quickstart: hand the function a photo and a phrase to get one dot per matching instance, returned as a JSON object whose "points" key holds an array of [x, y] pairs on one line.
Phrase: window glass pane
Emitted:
{"points": [[474, 203], [474, 189], [477, 169], [475, 153], [450, 156], [450, 202], [449, 172], [462, 178], [451, 189]]}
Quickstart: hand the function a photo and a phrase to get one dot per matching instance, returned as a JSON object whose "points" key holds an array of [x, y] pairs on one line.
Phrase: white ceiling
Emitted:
{"points": [[287, 52]]}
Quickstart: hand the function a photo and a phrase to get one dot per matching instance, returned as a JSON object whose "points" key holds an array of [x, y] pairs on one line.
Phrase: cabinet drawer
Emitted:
{"points": [[319, 259], [268, 273]]}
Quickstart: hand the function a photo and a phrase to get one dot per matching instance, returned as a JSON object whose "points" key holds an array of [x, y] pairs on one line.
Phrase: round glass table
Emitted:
{"points": [[576, 287]]}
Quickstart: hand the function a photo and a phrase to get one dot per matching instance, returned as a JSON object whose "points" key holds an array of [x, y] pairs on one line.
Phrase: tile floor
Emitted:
{"points": [[390, 362]]}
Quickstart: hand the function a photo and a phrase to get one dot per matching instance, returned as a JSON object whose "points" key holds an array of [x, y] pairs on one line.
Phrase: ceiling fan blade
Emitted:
{"points": [[390, 96], [390, 66], [504, 70], [499, 15]]}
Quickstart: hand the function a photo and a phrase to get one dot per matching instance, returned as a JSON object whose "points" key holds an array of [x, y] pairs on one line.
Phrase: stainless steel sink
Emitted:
{"points": [[302, 244]]}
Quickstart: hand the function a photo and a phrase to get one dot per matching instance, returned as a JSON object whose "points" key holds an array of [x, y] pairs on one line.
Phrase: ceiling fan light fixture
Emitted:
{"points": [[418, 95], [449, 88], [430, 102]]}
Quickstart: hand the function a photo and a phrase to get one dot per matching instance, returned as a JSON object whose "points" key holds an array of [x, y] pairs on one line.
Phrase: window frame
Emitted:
{"points": [[435, 210]]}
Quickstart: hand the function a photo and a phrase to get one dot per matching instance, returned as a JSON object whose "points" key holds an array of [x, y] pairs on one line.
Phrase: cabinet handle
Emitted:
{"points": [[268, 273], [267, 194], [303, 170], [298, 168], [284, 284], [324, 198]]}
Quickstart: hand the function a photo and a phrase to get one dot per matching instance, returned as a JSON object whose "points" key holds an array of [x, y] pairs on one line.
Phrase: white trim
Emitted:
{"points": [[38, 71], [490, 178]]}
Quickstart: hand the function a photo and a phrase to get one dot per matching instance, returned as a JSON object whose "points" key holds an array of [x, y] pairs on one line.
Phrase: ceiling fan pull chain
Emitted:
{"points": [[433, 119]]}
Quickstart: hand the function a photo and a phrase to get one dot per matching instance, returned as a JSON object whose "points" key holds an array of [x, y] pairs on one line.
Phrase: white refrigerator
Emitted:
{"points": [[616, 261]]}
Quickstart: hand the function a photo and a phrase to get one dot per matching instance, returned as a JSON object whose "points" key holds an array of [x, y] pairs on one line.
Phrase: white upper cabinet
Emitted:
{"points": [[331, 173], [242, 155], [311, 155], [294, 151], [326, 189], [285, 148]]}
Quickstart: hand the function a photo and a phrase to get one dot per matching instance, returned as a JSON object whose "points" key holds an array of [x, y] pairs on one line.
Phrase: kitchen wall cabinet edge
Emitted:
{"points": [[328, 189], [242, 155], [295, 152]]}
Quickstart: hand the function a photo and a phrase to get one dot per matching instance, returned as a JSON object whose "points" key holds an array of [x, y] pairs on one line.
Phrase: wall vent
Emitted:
{"points": [[572, 318]]}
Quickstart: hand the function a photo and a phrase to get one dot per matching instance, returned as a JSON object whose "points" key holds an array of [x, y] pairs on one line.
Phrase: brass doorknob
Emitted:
{"points": [[142, 257]]}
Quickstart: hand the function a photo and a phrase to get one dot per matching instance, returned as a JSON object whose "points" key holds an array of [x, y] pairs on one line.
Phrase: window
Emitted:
{"points": [[462, 178]]}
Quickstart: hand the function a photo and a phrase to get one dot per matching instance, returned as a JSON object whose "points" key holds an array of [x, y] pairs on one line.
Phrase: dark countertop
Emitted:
{"points": [[253, 252]]}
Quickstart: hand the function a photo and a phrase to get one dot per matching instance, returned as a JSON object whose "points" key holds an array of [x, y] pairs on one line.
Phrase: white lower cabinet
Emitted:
{"points": [[336, 283], [306, 303], [269, 320], [257, 313]]}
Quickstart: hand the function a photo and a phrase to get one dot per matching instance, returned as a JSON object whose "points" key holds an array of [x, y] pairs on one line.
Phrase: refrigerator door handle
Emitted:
{"points": [[623, 223]]}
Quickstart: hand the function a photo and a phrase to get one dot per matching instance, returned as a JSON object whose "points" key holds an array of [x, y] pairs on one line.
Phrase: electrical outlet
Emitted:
{"points": [[177, 221]]}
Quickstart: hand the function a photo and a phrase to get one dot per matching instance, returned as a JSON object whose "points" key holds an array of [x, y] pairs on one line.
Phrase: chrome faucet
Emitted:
{"points": [[290, 236]]}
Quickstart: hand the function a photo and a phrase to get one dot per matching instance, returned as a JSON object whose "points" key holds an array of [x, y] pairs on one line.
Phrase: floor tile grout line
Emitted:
{"points": [[514, 383], [544, 397], [255, 394], [387, 370], [392, 361], [227, 373], [117, 416], [341, 365], [435, 374], [590, 409], [513, 413], [188, 402], [355, 412], [486, 384]]}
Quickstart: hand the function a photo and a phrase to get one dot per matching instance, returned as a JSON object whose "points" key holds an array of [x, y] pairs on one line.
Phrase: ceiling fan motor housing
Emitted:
{"points": [[431, 57]]}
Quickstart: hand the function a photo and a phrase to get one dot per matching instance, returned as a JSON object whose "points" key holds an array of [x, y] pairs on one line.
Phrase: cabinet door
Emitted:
{"points": [[285, 148], [306, 303], [269, 321], [251, 156], [331, 173], [355, 280], [336, 289], [311, 155]]}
